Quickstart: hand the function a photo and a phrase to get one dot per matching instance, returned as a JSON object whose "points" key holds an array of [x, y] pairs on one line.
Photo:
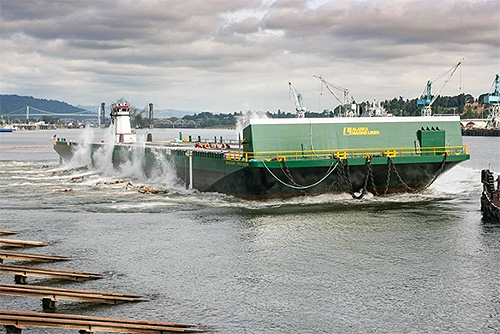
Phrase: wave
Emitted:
{"points": [[96, 183]]}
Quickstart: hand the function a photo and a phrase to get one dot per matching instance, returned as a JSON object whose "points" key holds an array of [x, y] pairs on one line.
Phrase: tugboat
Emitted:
{"points": [[490, 199]]}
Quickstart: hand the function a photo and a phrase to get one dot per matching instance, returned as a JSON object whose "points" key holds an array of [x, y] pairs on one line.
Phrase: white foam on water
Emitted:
{"points": [[304, 200], [458, 180], [131, 206], [451, 186], [20, 167]]}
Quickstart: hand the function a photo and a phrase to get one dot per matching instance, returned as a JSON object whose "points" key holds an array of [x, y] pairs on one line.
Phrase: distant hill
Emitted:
{"points": [[10, 104]]}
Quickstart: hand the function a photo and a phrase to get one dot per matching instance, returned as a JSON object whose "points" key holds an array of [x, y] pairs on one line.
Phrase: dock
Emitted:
{"points": [[22, 243], [481, 132], [16, 321], [22, 273], [50, 295], [5, 255], [7, 232]]}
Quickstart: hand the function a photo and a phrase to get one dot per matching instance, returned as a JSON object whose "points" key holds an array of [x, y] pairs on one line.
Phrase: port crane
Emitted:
{"points": [[299, 105], [349, 108], [493, 99], [426, 101]]}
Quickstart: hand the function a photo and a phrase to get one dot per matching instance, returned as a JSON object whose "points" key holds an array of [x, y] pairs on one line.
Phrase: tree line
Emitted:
{"points": [[459, 105], [444, 105]]}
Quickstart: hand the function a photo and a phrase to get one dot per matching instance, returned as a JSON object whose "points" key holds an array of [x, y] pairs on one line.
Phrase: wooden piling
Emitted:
{"points": [[7, 232], [85, 324], [4, 255], [51, 295], [22, 273], [13, 329], [21, 243], [16, 321]]}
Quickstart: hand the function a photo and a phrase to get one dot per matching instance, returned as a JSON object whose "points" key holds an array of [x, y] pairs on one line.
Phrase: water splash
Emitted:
{"points": [[135, 166], [82, 156], [102, 158], [243, 119], [158, 172], [163, 171]]}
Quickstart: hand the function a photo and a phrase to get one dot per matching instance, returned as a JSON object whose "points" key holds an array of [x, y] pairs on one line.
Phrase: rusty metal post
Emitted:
{"points": [[83, 331], [49, 303], [12, 329], [20, 279]]}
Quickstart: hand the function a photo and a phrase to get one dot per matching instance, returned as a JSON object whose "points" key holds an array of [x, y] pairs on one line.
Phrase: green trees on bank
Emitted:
{"points": [[462, 105], [13, 106], [443, 105]]}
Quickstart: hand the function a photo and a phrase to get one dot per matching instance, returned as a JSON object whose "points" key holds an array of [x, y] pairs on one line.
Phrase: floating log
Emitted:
{"points": [[16, 321], [30, 257], [22, 273], [50, 295], [7, 232], [22, 243]]}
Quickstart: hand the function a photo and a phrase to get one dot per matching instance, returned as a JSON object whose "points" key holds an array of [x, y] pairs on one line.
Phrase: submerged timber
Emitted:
{"points": [[291, 157]]}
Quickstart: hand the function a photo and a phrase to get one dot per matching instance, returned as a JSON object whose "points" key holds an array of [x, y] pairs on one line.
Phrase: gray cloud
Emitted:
{"points": [[230, 55], [392, 24]]}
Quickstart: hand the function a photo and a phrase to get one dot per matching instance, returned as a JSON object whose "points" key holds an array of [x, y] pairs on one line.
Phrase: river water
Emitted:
{"points": [[407, 263]]}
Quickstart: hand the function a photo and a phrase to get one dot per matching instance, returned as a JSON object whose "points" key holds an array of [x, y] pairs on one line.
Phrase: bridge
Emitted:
{"points": [[29, 111]]}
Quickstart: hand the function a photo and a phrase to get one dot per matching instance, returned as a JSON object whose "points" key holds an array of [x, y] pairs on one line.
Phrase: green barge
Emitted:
{"points": [[279, 158]]}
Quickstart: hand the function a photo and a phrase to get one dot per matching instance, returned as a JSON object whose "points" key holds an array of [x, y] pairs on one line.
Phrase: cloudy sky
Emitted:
{"points": [[226, 56]]}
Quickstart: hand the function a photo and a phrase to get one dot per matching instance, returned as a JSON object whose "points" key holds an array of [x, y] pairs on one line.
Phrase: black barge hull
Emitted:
{"points": [[274, 178]]}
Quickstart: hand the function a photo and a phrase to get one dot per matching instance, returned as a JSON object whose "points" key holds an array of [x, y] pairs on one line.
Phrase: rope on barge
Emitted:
{"points": [[345, 178], [296, 185]]}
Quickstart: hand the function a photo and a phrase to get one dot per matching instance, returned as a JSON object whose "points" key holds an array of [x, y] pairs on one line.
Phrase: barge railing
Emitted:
{"points": [[334, 153]]}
